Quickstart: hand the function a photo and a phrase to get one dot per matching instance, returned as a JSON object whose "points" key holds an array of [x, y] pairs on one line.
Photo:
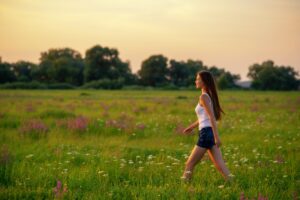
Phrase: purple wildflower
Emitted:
{"points": [[140, 126], [34, 127], [78, 124], [59, 191]]}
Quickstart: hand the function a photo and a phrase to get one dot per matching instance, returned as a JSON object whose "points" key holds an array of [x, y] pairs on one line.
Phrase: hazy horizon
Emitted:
{"points": [[228, 34]]}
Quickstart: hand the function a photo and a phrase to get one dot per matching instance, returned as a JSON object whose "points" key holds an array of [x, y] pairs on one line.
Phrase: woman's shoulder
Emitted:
{"points": [[204, 97]]}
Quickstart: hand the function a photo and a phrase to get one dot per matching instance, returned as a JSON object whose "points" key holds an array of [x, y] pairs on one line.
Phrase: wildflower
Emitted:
{"points": [[140, 126], [34, 127], [150, 157], [221, 186], [29, 156], [78, 124], [185, 156], [59, 191], [242, 196]]}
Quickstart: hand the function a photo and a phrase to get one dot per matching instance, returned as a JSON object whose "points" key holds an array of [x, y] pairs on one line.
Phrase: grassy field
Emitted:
{"points": [[126, 145]]}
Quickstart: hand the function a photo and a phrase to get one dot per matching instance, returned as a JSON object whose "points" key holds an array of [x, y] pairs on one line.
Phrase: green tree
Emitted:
{"points": [[184, 73], [60, 65], [23, 70], [268, 76], [227, 80], [178, 73], [103, 62], [194, 66], [6, 73], [216, 72], [154, 71], [224, 79]]}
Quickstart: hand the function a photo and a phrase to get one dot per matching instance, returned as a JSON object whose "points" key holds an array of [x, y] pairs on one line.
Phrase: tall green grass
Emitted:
{"points": [[127, 146]]}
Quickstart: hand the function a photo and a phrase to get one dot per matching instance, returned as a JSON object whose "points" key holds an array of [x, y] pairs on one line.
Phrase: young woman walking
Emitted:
{"points": [[208, 110]]}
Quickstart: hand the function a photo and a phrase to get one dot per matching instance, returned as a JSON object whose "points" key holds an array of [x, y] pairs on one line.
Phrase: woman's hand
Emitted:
{"points": [[218, 142], [188, 130]]}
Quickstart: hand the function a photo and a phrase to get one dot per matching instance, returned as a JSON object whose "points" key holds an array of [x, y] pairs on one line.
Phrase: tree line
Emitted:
{"points": [[102, 68]]}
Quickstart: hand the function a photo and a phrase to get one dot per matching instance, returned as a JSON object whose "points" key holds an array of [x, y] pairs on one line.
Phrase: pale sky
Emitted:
{"points": [[232, 34]]}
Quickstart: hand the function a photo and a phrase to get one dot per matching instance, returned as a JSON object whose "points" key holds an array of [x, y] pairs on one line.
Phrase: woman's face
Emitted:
{"points": [[198, 82]]}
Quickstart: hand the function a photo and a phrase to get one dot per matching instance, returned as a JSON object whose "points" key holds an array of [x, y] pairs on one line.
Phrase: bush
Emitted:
{"points": [[134, 87], [36, 85], [23, 85], [104, 84], [169, 87], [60, 86]]}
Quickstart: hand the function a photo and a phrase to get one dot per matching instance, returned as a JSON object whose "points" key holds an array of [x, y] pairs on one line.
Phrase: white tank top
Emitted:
{"points": [[203, 118]]}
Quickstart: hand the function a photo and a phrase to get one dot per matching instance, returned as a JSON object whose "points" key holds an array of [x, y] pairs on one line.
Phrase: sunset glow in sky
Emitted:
{"points": [[232, 34]]}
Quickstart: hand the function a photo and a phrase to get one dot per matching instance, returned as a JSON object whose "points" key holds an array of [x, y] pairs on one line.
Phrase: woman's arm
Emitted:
{"points": [[209, 110], [191, 127]]}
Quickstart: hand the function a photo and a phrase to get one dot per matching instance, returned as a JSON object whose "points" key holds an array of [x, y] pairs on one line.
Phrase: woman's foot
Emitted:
{"points": [[187, 175]]}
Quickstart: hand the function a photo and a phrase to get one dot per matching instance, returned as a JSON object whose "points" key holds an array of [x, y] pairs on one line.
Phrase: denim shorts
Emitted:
{"points": [[206, 138]]}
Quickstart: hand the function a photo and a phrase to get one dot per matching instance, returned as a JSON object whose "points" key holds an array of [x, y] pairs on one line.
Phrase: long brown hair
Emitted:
{"points": [[210, 87]]}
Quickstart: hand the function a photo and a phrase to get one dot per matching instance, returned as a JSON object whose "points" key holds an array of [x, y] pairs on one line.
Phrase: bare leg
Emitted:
{"points": [[216, 157], [196, 155]]}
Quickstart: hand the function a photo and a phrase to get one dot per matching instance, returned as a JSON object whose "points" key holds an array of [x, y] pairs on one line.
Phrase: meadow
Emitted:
{"points": [[97, 144]]}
